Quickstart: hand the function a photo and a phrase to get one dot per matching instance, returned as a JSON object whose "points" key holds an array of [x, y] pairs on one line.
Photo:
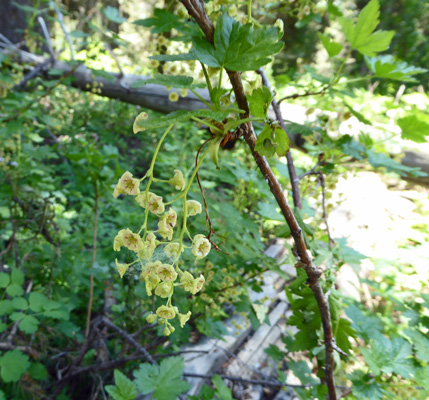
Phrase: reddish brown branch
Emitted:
{"points": [[306, 94], [196, 10], [211, 230], [290, 166]]}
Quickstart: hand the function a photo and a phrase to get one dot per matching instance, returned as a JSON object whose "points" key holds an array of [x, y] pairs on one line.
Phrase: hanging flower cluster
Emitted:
{"points": [[159, 277]]}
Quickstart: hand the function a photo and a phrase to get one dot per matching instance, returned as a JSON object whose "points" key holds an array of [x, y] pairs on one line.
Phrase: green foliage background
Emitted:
{"points": [[60, 146]]}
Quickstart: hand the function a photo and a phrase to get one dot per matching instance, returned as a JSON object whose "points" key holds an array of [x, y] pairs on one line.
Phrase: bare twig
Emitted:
{"points": [[118, 64], [196, 10], [296, 95], [61, 22], [128, 338], [291, 168], [47, 38], [94, 253]]}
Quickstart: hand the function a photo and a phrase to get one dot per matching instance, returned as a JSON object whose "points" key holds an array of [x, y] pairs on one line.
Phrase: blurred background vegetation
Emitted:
{"points": [[62, 150]]}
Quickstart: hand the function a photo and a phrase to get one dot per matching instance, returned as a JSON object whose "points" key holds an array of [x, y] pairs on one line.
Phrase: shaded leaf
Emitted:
{"points": [[13, 365], [387, 67]]}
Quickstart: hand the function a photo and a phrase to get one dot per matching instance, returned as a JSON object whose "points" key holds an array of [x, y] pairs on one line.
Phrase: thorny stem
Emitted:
{"points": [[196, 10]]}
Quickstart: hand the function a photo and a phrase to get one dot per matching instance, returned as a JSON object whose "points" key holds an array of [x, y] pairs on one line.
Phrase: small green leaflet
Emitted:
{"points": [[333, 48], [414, 128], [362, 36], [221, 390], [387, 67], [112, 14], [164, 381], [259, 101], [38, 371], [4, 279], [176, 81], [162, 21], [271, 140], [143, 122], [124, 389], [238, 47], [13, 365]]}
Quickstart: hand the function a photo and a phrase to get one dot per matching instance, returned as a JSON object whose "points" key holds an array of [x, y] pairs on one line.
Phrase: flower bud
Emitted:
{"points": [[166, 331], [193, 207], [151, 318], [178, 181], [173, 97]]}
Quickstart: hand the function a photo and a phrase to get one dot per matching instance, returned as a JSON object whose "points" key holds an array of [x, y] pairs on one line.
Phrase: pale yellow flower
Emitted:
{"points": [[166, 312], [151, 201], [201, 246], [166, 272], [178, 181], [193, 207], [127, 185], [183, 318]]}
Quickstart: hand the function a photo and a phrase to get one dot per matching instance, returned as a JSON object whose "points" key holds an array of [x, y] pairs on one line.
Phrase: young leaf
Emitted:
{"points": [[165, 382], [37, 301], [38, 371], [413, 128], [387, 67], [162, 21], [333, 48], [112, 14], [361, 36], [29, 324], [13, 365], [124, 388], [259, 101], [221, 390], [4, 279], [238, 47]]}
